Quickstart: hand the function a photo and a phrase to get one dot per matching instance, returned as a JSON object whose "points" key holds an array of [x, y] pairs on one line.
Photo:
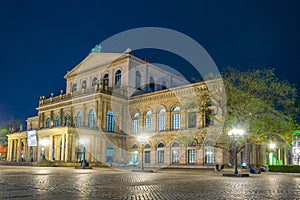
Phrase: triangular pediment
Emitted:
{"points": [[93, 61]]}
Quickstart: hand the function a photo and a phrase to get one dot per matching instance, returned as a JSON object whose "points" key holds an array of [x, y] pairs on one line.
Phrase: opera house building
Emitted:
{"points": [[116, 106]]}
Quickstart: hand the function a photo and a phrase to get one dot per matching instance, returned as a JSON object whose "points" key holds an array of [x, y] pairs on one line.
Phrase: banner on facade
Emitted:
{"points": [[32, 139]]}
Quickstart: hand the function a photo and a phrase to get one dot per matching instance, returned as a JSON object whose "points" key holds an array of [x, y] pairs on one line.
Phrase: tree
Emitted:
{"points": [[12, 125], [261, 104], [3, 137]]}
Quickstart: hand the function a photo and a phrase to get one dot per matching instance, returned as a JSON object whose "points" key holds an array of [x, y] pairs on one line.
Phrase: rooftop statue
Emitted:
{"points": [[96, 49]]}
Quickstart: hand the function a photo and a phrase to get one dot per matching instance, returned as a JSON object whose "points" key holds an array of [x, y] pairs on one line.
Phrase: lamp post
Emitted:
{"points": [[142, 139], [235, 133]]}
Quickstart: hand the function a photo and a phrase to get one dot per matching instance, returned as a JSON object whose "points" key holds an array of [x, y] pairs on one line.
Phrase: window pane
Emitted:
{"points": [[138, 78], [48, 123], [176, 121], [160, 156], [147, 156], [135, 125], [57, 121], [192, 156], [148, 124], [161, 123], [175, 156], [118, 79], [79, 119], [110, 123], [91, 119], [209, 156]]}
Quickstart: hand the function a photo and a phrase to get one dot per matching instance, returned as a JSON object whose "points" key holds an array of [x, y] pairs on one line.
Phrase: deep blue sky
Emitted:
{"points": [[41, 40]]}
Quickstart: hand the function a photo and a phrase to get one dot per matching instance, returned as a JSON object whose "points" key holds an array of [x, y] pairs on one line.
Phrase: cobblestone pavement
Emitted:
{"points": [[101, 183]]}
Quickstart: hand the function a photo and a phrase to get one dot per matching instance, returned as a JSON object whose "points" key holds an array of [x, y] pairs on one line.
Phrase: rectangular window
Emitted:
{"points": [[148, 124], [176, 121], [209, 156], [147, 157], [192, 156], [161, 123], [135, 126], [160, 156]]}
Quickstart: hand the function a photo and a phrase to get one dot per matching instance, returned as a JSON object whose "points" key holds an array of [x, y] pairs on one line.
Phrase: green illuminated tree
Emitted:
{"points": [[261, 104]]}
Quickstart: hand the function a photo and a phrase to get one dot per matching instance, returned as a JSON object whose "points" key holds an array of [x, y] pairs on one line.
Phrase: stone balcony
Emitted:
{"points": [[120, 92]]}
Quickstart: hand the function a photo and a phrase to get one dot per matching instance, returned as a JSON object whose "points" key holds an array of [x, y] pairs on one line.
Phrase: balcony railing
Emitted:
{"points": [[120, 92]]}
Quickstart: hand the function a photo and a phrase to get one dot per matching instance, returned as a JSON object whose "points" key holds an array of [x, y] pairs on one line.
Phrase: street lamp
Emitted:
{"points": [[235, 133], [43, 143], [142, 139]]}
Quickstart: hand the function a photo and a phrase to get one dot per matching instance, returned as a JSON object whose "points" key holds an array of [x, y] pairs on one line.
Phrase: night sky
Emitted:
{"points": [[41, 41]]}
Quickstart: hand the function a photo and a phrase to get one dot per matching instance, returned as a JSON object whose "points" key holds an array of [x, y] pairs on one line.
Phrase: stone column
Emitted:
{"points": [[168, 120], [19, 150], [67, 148], [84, 116], [9, 149], [51, 147], [62, 119], [73, 148], [183, 119], [104, 109], [99, 113], [155, 123], [62, 153]]}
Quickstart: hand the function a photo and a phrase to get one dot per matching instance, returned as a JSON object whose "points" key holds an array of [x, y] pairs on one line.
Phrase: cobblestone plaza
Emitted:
{"points": [[105, 183]]}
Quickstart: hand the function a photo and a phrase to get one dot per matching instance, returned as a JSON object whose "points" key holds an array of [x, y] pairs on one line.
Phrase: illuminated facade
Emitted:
{"points": [[112, 98]]}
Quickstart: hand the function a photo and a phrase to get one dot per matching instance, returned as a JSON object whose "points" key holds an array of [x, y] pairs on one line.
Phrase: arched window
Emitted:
{"points": [[175, 152], [110, 121], [136, 123], [106, 79], [138, 80], [209, 118], [91, 119], [175, 144], [163, 85], [147, 146], [161, 120], [176, 118], [151, 84], [160, 153], [134, 146], [79, 119], [83, 85], [48, 123], [160, 145], [57, 121], [148, 121], [74, 87], [94, 82], [118, 79], [67, 118]]}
